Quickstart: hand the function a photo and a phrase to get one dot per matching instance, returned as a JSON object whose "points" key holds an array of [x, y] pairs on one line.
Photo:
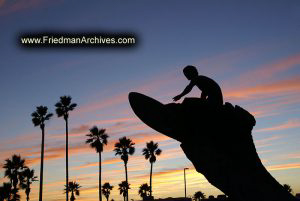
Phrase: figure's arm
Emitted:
{"points": [[187, 90]]}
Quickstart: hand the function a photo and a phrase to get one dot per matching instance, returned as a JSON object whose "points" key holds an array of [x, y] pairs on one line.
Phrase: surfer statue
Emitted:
{"points": [[211, 91], [215, 137]]}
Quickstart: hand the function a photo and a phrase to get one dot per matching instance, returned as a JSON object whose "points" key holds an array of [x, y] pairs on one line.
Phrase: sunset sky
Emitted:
{"points": [[251, 48]]}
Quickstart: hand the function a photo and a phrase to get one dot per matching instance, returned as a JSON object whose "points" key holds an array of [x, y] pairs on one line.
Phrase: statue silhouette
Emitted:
{"points": [[217, 140], [210, 89]]}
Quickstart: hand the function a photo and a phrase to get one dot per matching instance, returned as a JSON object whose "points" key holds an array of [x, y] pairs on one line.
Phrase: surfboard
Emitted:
{"points": [[152, 112]]}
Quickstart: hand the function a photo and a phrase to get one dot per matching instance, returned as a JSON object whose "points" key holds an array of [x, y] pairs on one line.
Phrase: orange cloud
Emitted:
{"points": [[114, 121], [293, 156], [168, 173], [136, 160], [106, 103], [32, 154], [266, 141], [33, 157], [283, 166], [271, 106], [269, 70], [265, 90], [81, 129], [295, 123], [105, 162]]}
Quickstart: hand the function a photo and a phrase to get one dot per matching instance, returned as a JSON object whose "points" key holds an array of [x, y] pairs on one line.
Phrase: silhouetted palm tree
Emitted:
{"points": [[150, 152], [13, 170], [97, 138], [63, 107], [199, 195], [288, 188], [73, 188], [28, 178], [39, 118], [123, 187], [144, 190], [106, 188], [5, 192], [124, 148]]}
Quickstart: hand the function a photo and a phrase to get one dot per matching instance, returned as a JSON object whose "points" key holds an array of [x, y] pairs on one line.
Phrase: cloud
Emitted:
{"points": [[33, 157], [115, 121], [267, 141], [281, 87], [2, 3], [283, 166], [81, 129], [294, 123], [106, 103], [105, 162], [4, 179], [136, 159], [269, 70], [9, 7], [266, 89], [274, 105], [293, 156], [32, 154]]}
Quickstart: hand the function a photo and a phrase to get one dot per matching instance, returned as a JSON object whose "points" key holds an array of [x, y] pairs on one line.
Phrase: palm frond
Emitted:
{"points": [[48, 116], [72, 106], [94, 130], [36, 121], [131, 150], [158, 152], [89, 140], [35, 114], [59, 111], [58, 104], [95, 138], [65, 100]]}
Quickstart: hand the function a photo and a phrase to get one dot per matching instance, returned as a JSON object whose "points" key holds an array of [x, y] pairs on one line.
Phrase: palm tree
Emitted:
{"points": [[73, 188], [123, 187], [63, 107], [288, 188], [96, 140], [13, 170], [124, 148], [106, 188], [28, 178], [150, 152], [199, 195], [5, 192], [144, 190], [38, 119]]}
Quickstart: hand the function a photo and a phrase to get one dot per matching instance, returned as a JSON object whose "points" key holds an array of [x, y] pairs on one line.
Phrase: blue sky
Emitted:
{"points": [[250, 48]]}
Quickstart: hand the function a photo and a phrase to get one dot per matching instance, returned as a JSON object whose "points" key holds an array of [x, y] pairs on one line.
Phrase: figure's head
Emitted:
{"points": [[190, 72]]}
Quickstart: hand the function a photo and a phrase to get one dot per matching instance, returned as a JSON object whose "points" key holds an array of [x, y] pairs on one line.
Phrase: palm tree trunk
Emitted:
{"points": [[42, 164], [67, 162], [126, 181], [151, 179], [9, 194], [15, 193], [72, 196], [27, 191], [100, 194]]}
